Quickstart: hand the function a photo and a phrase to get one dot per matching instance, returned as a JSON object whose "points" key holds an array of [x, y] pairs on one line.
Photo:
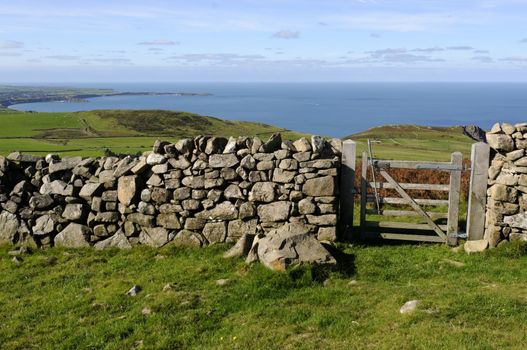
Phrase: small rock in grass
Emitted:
{"points": [[168, 287], [476, 246], [133, 291], [352, 282], [160, 257], [146, 311], [17, 260], [222, 282], [52, 260], [409, 306], [454, 262]]}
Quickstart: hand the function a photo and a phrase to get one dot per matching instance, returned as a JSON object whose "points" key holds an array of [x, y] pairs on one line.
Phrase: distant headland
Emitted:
{"points": [[11, 95]]}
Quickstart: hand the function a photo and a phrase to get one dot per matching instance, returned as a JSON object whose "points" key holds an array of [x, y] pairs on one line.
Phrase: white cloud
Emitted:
{"points": [[482, 59], [460, 48], [158, 42], [286, 34], [63, 57]]}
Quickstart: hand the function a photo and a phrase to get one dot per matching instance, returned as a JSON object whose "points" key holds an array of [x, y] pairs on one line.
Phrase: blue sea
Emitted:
{"points": [[331, 109]]}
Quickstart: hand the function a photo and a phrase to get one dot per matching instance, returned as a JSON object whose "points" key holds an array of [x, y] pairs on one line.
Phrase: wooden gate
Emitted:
{"points": [[374, 205]]}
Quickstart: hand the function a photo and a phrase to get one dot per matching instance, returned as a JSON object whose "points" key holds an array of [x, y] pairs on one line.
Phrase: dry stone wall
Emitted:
{"points": [[194, 192], [506, 214]]}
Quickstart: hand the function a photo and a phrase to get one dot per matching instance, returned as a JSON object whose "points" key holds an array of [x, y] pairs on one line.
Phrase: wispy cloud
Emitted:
{"points": [[514, 59], [482, 59], [214, 57], [10, 54], [460, 48], [11, 44], [286, 34], [429, 49], [481, 51], [63, 57], [523, 41], [158, 42]]}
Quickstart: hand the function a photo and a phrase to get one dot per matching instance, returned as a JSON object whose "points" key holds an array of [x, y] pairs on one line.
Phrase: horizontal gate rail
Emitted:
{"points": [[397, 200], [406, 164], [388, 212], [406, 186]]}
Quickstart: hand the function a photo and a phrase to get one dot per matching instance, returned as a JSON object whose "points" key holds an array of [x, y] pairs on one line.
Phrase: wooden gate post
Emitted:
{"points": [[347, 188], [453, 199], [477, 196]]}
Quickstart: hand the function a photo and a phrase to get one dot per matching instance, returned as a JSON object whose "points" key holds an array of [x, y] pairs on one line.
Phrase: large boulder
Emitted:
{"points": [[292, 244], [500, 142], [155, 236], [73, 236], [226, 160]]}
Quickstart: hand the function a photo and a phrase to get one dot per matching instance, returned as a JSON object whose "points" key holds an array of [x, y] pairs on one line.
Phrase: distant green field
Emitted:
{"points": [[91, 133], [414, 142]]}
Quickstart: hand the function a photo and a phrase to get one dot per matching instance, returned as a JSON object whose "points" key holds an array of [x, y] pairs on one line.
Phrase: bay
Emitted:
{"points": [[332, 109]]}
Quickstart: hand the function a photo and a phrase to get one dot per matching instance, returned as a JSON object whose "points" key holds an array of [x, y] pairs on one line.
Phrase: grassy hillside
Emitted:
{"points": [[413, 142], [75, 299], [90, 133]]}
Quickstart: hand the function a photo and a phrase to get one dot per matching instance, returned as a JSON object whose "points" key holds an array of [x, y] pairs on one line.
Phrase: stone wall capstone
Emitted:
{"points": [[506, 214], [193, 192]]}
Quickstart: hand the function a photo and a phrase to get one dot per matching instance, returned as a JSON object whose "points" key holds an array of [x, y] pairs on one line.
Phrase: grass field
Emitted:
{"points": [[414, 142], [91, 133], [78, 301]]}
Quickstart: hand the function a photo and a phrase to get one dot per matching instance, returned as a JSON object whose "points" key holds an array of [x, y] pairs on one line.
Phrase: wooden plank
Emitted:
{"points": [[404, 237], [477, 197], [407, 186], [406, 164], [453, 199], [347, 188], [413, 204], [395, 200], [363, 193], [401, 225], [386, 212]]}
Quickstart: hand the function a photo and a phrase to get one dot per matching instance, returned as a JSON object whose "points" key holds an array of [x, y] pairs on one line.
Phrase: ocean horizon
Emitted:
{"points": [[331, 109]]}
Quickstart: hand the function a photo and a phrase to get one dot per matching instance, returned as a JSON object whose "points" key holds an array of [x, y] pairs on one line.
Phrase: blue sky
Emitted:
{"points": [[271, 40]]}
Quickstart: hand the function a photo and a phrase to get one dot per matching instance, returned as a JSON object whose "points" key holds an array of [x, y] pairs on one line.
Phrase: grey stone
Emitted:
{"points": [[155, 237], [40, 202], [273, 144], [155, 158], [227, 160], [57, 187], [141, 219], [159, 146], [90, 190], [302, 145], [118, 240], [306, 206], [168, 221], [223, 211], [127, 189], [125, 166], [265, 165], [185, 238], [476, 246], [230, 147], [322, 220], [283, 176], [182, 193], [181, 163], [67, 163], [241, 248], [44, 225], [409, 306], [233, 192], [263, 192], [517, 221], [9, 226], [277, 211], [247, 210], [160, 195], [292, 246], [503, 193], [327, 234], [501, 142], [74, 212], [194, 223], [320, 186], [248, 162], [185, 146], [215, 145], [194, 181], [107, 217], [73, 236], [215, 232]]}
